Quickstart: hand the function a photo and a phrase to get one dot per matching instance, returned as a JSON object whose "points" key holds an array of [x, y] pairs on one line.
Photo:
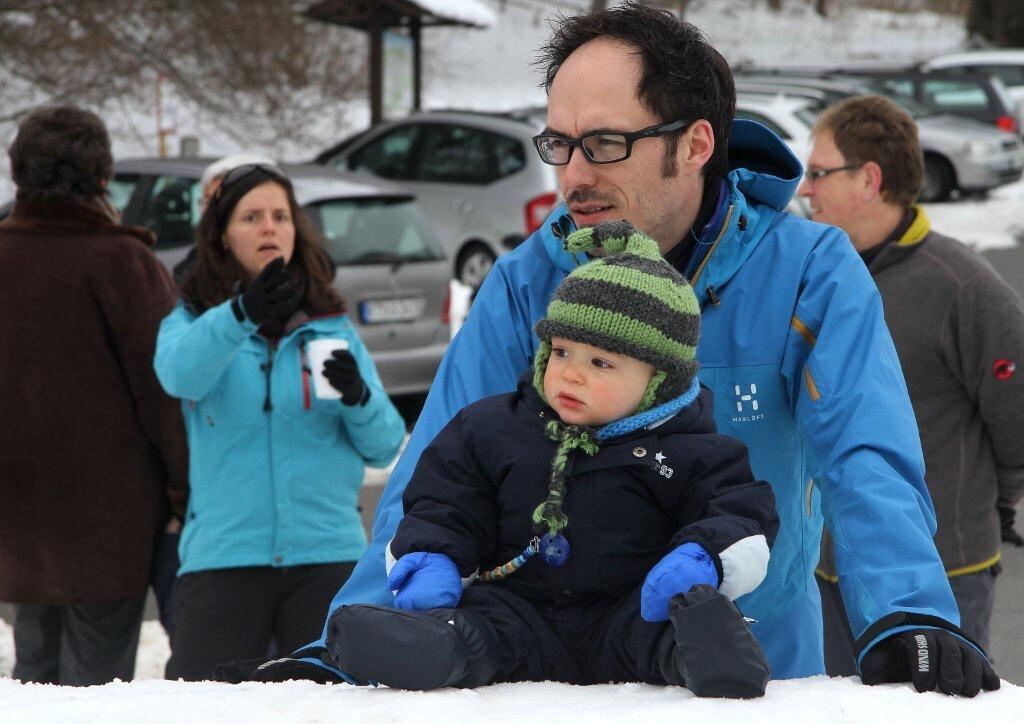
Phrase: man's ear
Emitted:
{"points": [[873, 180], [696, 145]]}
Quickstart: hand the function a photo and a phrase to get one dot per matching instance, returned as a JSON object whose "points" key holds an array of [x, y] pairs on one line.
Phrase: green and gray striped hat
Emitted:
{"points": [[629, 301]]}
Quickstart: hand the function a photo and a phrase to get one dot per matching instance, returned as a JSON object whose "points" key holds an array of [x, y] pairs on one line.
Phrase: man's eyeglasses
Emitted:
{"points": [[599, 146], [813, 174]]}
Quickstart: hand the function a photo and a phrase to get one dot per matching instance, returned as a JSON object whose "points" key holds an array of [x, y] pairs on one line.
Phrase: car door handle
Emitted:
{"points": [[462, 206]]}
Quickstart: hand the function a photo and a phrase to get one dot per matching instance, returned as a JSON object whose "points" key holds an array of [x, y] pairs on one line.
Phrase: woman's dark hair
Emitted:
{"points": [[683, 76], [61, 153], [217, 275]]}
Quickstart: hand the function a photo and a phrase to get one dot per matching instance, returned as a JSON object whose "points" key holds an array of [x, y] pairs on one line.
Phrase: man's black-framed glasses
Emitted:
{"points": [[813, 174], [599, 146]]}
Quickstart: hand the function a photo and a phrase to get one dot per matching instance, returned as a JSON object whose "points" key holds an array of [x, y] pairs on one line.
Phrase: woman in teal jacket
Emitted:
{"points": [[272, 528]]}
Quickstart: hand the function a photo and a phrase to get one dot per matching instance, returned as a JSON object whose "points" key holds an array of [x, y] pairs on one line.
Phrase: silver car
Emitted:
{"points": [[391, 270], [960, 154], [476, 176]]}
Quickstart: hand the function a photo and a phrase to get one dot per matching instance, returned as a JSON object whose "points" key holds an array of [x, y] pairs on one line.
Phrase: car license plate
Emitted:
{"points": [[391, 310]]}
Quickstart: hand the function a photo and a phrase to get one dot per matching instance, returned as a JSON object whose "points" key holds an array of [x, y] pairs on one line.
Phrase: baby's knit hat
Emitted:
{"points": [[630, 301]]}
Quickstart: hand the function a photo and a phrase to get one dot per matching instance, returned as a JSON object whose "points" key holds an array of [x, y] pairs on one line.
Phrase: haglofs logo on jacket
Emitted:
{"points": [[747, 406]]}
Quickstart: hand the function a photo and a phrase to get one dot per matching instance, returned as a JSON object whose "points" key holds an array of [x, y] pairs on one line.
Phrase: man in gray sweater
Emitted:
{"points": [[959, 332]]}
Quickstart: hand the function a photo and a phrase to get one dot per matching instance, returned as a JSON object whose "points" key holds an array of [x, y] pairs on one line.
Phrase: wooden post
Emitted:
{"points": [[161, 137], [376, 70], [417, 66]]}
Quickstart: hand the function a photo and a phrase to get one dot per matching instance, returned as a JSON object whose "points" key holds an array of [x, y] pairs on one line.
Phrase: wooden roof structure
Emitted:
{"points": [[376, 16]]}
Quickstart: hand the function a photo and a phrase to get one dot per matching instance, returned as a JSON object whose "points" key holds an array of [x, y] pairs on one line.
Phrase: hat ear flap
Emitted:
{"points": [[540, 366], [647, 401]]}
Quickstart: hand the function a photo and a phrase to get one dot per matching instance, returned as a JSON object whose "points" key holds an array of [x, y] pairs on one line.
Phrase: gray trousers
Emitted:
{"points": [[975, 595], [78, 644]]}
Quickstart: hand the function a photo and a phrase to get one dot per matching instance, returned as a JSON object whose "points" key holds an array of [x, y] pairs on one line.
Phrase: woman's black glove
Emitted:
{"points": [[271, 295], [342, 372], [933, 660]]}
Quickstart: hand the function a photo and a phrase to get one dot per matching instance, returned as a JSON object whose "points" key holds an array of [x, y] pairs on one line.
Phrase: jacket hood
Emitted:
{"points": [[692, 412], [763, 177]]}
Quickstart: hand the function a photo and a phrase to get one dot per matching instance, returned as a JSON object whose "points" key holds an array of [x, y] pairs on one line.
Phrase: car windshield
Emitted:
{"points": [[377, 230]]}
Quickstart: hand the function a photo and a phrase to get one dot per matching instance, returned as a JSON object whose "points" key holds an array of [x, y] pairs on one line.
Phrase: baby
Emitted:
{"points": [[590, 527]]}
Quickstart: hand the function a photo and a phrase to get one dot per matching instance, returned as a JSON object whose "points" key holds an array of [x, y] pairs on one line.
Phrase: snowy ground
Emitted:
{"points": [[818, 699]]}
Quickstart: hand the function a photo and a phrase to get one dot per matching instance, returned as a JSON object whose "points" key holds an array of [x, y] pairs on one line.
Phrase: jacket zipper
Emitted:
{"points": [[714, 245], [306, 373], [267, 368]]}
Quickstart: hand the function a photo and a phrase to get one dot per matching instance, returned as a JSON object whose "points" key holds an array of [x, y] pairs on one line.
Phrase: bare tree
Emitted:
{"points": [[259, 67]]}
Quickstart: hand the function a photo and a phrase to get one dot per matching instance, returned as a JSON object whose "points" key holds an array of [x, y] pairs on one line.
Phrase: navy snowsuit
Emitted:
{"points": [[644, 493]]}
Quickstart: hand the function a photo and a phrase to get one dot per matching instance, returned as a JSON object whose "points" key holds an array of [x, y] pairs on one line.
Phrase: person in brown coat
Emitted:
{"points": [[92, 451]]}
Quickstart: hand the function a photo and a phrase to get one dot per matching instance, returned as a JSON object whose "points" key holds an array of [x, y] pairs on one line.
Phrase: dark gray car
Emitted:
{"points": [[391, 269]]}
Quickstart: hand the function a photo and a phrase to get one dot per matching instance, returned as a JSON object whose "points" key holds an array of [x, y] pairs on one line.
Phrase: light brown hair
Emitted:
{"points": [[874, 128]]}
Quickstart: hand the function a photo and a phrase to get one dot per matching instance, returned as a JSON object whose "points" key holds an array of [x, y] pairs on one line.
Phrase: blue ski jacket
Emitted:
{"points": [[796, 350], [274, 471]]}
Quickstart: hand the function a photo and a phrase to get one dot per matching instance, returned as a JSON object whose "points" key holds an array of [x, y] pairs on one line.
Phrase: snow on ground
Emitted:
{"points": [[154, 701], [990, 223]]}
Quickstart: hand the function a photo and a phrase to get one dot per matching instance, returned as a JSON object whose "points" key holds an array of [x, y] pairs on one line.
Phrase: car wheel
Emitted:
{"points": [[474, 262], [939, 180]]}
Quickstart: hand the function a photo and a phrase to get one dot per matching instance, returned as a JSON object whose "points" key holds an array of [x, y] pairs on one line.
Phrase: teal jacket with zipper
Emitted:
{"points": [[274, 470], [795, 348]]}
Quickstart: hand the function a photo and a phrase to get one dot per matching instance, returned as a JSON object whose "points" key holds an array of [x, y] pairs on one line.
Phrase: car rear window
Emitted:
{"points": [[374, 231], [460, 154], [956, 95]]}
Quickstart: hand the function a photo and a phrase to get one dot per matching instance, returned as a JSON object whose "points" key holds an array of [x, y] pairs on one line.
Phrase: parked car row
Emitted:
{"points": [[965, 150]]}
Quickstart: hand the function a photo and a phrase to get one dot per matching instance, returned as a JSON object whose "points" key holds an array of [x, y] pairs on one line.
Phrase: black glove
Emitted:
{"points": [[288, 668], [1006, 517], [271, 295], [933, 659], [343, 374]]}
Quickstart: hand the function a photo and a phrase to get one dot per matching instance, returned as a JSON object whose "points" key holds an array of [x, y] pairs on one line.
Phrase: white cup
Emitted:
{"points": [[319, 351]]}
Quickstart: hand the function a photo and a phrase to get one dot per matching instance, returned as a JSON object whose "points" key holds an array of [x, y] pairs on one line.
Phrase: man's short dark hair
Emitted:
{"points": [[683, 77], [61, 153], [874, 128]]}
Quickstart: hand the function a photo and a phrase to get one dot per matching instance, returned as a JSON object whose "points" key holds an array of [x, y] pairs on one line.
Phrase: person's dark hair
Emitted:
{"points": [[683, 76], [874, 128], [217, 275], [61, 153]]}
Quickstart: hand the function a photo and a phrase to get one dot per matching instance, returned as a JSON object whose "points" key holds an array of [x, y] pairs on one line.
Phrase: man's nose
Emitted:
{"points": [[804, 189]]}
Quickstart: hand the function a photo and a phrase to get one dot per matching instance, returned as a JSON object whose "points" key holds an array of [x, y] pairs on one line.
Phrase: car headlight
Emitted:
{"points": [[981, 149]]}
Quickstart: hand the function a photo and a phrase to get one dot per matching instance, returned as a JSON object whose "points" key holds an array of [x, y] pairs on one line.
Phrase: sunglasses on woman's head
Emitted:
{"points": [[244, 171]]}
